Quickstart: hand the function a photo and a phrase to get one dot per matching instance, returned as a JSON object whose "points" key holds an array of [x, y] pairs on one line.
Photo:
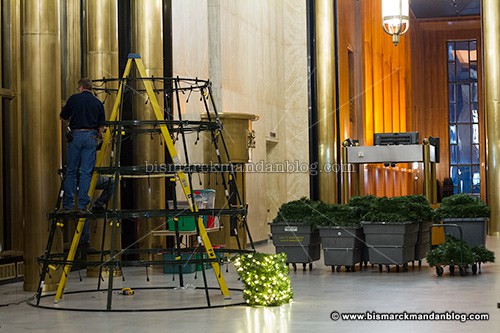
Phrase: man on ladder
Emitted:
{"points": [[86, 117]]}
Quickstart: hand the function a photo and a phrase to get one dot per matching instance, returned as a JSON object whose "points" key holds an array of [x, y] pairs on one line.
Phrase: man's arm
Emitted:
{"points": [[102, 119], [66, 111]]}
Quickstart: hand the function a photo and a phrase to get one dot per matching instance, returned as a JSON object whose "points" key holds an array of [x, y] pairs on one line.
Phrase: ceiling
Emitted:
{"points": [[444, 8]]}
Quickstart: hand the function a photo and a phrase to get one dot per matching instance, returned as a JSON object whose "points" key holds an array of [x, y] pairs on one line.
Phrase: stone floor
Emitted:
{"points": [[317, 294]]}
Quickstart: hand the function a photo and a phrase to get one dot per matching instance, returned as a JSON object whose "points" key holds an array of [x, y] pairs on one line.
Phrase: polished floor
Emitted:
{"points": [[317, 294]]}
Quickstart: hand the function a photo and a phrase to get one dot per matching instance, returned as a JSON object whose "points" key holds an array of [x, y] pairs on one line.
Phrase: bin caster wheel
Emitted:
{"points": [[333, 268], [339, 268], [462, 270], [439, 270], [397, 268], [405, 267], [353, 268], [420, 263], [294, 267], [310, 266], [304, 267], [452, 269], [388, 268], [380, 268], [474, 269]]}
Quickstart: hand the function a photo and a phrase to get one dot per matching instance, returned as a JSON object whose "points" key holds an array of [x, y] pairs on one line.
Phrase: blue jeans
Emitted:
{"points": [[80, 153], [107, 185]]}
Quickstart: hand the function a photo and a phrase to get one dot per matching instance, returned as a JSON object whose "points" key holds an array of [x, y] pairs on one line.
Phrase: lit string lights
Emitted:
{"points": [[265, 277]]}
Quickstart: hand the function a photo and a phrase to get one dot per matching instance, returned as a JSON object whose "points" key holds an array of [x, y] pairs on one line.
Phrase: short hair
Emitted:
{"points": [[85, 83]]}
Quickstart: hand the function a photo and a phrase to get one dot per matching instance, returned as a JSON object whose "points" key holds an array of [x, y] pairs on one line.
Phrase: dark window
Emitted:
{"points": [[463, 116]]}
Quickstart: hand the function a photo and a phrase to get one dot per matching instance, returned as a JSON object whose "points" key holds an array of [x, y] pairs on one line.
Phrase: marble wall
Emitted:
{"points": [[255, 52], [296, 97]]}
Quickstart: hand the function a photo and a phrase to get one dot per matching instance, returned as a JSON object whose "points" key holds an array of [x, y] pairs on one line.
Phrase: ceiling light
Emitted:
{"points": [[395, 18]]}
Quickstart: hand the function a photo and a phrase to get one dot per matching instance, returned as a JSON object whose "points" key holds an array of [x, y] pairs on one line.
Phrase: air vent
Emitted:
{"points": [[7, 271], [20, 269]]}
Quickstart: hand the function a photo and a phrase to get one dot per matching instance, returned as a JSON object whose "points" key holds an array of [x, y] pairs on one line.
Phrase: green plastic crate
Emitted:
{"points": [[186, 223]]}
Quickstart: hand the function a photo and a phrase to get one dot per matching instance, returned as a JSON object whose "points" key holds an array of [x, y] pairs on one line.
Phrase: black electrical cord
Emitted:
{"points": [[20, 302]]}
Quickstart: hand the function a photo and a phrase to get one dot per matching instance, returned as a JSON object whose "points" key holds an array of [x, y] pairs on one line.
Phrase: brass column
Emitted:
{"points": [[12, 121], [491, 62], [102, 61], [327, 131], [41, 104], [71, 46], [71, 65], [102, 41], [2, 190], [147, 41], [345, 174]]}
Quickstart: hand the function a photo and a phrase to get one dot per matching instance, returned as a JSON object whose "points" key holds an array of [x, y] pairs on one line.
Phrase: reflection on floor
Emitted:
{"points": [[317, 294]]}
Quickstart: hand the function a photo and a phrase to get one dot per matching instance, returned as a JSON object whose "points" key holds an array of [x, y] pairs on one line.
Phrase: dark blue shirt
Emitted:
{"points": [[84, 111]]}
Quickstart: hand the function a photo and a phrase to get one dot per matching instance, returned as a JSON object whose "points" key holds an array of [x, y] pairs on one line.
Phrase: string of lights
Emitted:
{"points": [[265, 277]]}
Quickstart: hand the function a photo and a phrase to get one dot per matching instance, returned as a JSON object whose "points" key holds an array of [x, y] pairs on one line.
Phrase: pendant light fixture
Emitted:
{"points": [[395, 18]]}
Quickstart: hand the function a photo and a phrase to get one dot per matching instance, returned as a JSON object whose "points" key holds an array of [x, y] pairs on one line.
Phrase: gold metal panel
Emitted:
{"points": [[102, 41], [327, 130], [491, 42], [12, 121], [102, 61], [2, 186], [41, 103], [147, 40], [71, 43]]}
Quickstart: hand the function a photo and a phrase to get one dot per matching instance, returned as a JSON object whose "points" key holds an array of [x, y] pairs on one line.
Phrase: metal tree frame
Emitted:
{"points": [[169, 130]]}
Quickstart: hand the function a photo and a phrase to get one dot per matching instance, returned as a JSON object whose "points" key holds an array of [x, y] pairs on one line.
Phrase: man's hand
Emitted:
{"points": [[99, 138]]}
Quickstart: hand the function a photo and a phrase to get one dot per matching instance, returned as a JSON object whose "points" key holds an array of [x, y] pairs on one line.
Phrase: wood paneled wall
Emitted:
{"points": [[387, 99], [387, 69], [350, 58], [430, 87], [348, 33]]}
